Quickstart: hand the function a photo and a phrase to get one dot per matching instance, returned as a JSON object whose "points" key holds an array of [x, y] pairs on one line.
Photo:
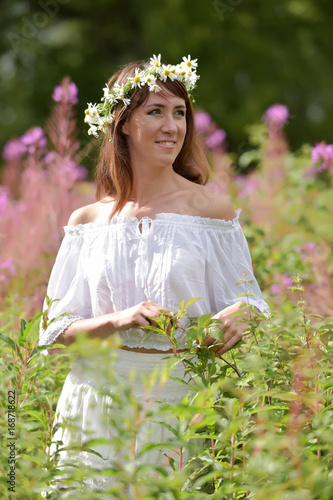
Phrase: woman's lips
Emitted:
{"points": [[166, 144]]}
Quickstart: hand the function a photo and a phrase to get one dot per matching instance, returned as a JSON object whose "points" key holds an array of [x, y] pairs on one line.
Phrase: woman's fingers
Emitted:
{"points": [[154, 311]]}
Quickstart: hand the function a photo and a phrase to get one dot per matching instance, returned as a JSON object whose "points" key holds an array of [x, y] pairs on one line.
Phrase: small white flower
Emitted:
{"points": [[168, 72], [106, 91], [93, 131], [149, 80], [136, 80], [155, 62], [190, 63], [154, 88], [118, 91], [92, 109]]}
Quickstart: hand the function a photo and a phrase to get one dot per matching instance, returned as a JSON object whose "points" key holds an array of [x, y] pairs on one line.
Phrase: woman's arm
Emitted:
{"points": [[104, 326]]}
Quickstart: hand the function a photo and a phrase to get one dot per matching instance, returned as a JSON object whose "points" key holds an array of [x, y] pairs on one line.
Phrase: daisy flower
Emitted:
{"points": [[167, 72], [93, 131], [149, 80], [136, 80], [155, 62], [190, 63]]}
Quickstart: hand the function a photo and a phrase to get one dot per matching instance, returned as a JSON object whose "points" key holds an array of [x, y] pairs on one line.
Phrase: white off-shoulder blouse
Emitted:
{"points": [[110, 266]]}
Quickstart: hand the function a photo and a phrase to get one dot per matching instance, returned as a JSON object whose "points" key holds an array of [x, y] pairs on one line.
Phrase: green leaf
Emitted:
{"points": [[216, 333], [23, 326], [36, 416], [201, 334], [181, 306], [12, 344], [204, 319], [191, 301], [191, 335]]}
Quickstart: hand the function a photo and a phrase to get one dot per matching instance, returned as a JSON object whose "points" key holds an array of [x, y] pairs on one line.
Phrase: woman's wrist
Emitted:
{"points": [[100, 326]]}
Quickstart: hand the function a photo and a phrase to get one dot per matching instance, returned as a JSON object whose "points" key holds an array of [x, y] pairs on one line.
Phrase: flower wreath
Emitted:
{"points": [[99, 116]]}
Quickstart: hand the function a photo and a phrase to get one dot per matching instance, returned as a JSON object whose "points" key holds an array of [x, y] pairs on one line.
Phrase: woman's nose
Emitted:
{"points": [[169, 124]]}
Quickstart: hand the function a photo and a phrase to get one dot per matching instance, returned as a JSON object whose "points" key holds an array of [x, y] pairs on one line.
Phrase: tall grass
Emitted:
{"points": [[255, 424]]}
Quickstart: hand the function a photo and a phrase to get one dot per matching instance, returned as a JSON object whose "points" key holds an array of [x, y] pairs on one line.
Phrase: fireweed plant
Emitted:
{"points": [[256, 423]]}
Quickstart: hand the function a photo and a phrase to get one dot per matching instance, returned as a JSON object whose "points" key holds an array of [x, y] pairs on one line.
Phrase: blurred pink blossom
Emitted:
{"points": [[322, 156], [50, 157], [34, 138], [66, 92], [7, 270], [248, 184], [4, 201], [73, 171], [215, 139], [202, 121], [286, 280], [13, 150], [275, 289], [276, 115], [310, 247]]}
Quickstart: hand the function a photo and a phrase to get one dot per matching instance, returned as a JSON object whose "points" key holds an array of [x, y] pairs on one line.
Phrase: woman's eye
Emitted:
{"points": [[180, 112], [154, 111]]}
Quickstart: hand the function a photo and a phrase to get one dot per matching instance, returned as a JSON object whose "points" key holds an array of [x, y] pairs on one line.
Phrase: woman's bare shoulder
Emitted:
{"points": [[83, 215], [90, 213], [212, 204]]}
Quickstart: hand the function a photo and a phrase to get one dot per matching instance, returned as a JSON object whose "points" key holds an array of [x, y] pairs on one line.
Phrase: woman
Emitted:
{"points": [[156, 236]]}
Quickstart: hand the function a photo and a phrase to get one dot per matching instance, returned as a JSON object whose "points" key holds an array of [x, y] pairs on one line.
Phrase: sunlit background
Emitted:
{"points": [[251, 55]]}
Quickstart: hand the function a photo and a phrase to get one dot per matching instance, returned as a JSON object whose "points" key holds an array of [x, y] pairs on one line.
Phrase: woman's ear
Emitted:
{"points": [[124, 128]]}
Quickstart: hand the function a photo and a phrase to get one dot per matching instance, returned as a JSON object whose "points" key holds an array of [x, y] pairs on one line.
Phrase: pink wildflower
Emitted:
{"points": [[66, 92], [7, 270], [276, 116], [275, 289], [202, 121], [216, 139], [3, 200], [34, 139], [286, 280], [13, 150], [322, 156], [310, 247], [73, 171], [248, 184]]}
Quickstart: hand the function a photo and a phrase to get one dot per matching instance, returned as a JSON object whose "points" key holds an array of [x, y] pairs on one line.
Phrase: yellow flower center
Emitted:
{"points": [[166, 72], [189, 64], [136, 79], [183, 73], [87, 111], [157, 64], [148, 79]]}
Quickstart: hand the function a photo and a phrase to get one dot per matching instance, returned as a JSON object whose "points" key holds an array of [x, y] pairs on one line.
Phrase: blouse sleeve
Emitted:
{"points": [[230, 271], [67, 289]]}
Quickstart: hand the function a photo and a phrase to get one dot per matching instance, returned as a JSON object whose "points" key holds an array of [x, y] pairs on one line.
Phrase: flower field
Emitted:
{"points": [[257, 423]]}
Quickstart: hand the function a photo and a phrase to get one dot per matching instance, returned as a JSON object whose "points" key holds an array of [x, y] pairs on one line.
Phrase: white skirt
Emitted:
{"points": [[103, 410]]}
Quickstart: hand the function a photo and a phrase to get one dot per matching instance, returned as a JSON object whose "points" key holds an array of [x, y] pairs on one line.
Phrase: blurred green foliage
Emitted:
{"points": [[251, 55]]}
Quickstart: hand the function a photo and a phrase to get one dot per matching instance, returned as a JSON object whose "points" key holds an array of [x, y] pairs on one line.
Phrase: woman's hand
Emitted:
{"points": [[233, 327], [138, 315], [106, 325]]}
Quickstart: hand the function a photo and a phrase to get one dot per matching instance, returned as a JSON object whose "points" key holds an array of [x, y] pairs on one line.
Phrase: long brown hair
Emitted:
{"points": [[114, 176]]}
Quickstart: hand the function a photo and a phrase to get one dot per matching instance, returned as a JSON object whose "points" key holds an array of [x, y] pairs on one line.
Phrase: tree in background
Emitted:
{"points": [[251, 55]]}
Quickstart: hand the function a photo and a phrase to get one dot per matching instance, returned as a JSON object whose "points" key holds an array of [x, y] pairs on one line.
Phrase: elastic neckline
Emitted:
{"points": [[163, 217]]}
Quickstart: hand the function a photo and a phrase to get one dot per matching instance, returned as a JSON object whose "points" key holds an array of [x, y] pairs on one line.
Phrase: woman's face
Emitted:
{"points": [[156, 130]]}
